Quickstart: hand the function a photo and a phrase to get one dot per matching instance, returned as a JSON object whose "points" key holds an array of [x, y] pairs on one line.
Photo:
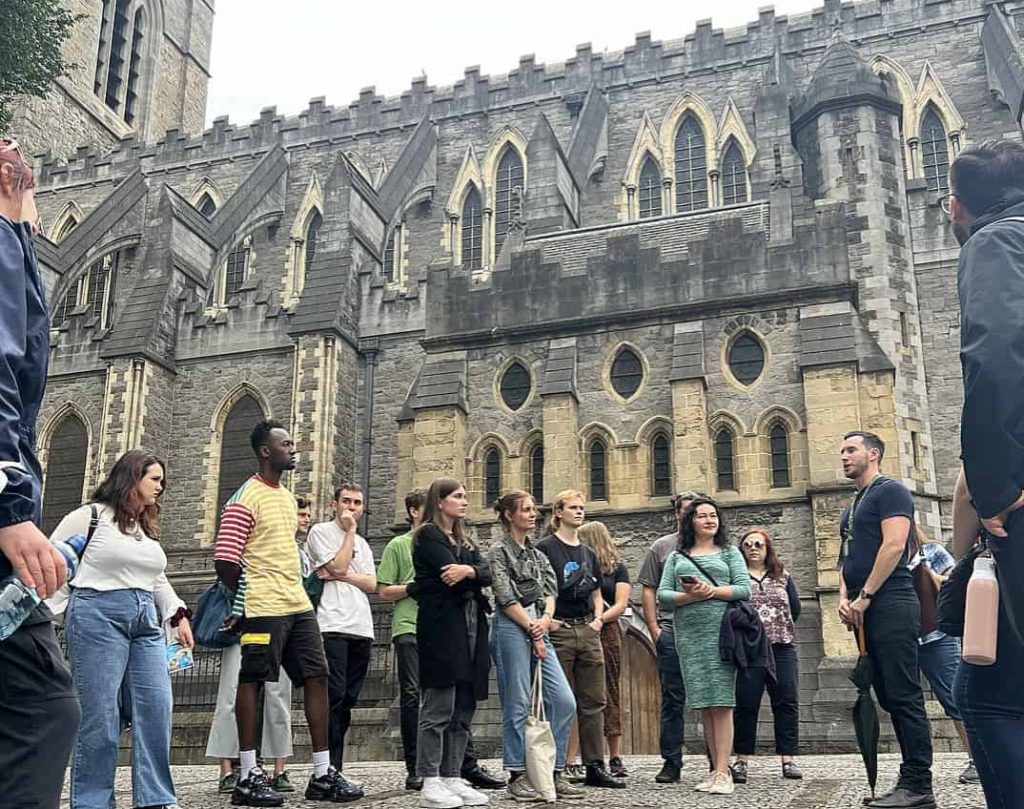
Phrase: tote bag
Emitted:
{"points": [[212, 611], [540, 742]]}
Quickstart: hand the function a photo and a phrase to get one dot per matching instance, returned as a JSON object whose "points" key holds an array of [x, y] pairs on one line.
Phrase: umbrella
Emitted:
{"points": [[865, 715]]}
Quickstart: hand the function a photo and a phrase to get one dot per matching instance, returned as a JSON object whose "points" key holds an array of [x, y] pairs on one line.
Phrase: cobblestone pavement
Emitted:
{"points": [[830, 782]]}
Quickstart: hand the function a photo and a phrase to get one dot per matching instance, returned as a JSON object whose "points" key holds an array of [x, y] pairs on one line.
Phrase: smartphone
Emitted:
{"points": [[687, 579]]}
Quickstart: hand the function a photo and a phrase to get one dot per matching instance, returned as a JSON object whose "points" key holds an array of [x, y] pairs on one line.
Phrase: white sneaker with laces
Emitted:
{"points": [[469, 796], [435, 795], [721, 784]]}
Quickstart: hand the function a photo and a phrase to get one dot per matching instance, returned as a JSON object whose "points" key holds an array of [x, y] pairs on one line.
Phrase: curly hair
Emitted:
{"points": [[687, 535], [120, 491]]}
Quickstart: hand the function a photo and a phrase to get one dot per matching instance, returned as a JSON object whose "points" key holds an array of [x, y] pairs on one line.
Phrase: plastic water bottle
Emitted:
{"points": [[17, 600], [981, 621]]}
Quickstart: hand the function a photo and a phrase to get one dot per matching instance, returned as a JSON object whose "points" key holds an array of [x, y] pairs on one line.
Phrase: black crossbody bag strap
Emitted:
{"points": [[700, 567], [94, 520]]}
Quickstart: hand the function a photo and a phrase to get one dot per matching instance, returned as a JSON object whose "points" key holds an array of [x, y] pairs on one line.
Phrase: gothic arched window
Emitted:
{"points": [[134, 67], [65, 229], [510, 177], [597, 466], [236, 269], [119, 33], [206, 206], [778, 438], [691, 167], [725, 459], [934, 152], [734, 175], [237, 462], [649, 192], [492, 477], [65, 471], [537, 472], [661, 466], [472, 224], [316, 221]]}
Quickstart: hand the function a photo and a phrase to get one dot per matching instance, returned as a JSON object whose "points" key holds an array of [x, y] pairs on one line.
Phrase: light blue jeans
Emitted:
{"points": [[512, 651], [114, 639]]}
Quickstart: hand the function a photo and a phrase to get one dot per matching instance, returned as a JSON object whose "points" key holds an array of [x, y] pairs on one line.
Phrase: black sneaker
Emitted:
{"points": [[413, 782], [739, 771], [669, 773], [617, 767], [332, 787], [478, 777], [255, 790]]}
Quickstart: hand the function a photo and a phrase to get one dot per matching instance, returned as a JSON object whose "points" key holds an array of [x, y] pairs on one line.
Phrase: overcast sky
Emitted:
{"points": [[272, 53]]}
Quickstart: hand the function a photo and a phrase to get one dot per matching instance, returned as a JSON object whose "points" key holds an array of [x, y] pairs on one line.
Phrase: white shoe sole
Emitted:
{"points": [[442, 803]]}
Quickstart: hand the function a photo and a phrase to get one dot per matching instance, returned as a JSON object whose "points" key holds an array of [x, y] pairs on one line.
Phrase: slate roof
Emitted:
{"points": [[413, 168], [229, 218], [560, 371], [441, 383], [687, 355], [186, 212], [839, 338], [327, 282]]}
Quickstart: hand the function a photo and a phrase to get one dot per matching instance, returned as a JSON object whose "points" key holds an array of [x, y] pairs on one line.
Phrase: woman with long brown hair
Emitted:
{"points": [[615, 592], [452, 641], [777, 601], [120, 597]]}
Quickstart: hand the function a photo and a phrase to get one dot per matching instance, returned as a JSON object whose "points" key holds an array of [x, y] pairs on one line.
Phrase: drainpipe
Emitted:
{"points": [[369, 349]]}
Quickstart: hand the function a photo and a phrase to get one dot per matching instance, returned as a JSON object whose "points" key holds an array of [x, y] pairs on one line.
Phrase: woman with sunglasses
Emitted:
{"points": [[775, 597]]}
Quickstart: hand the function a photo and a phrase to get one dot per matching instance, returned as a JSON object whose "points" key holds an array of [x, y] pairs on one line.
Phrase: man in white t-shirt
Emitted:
{"points": [[344, 561]]}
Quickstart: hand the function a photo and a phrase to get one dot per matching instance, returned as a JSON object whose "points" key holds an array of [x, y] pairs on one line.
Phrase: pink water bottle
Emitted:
{"points": [[981, 621]]}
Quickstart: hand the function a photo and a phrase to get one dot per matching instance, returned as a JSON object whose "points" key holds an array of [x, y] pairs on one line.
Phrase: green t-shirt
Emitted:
{"points": [[396, 568]]}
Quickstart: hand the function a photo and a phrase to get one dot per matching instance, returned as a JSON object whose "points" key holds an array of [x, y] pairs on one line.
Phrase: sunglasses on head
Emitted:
{"points": [[754, 544]]}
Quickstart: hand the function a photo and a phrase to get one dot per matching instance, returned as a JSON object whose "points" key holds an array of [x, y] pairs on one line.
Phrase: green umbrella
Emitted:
{"points": [[865, 715]]}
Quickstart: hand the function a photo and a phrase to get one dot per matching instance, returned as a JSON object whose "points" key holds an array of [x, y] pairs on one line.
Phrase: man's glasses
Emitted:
{"points": [[754, 545], [946, 203]]}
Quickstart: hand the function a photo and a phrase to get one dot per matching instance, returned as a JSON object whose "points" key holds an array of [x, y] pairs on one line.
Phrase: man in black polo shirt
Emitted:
{"points": [[876, 591]]}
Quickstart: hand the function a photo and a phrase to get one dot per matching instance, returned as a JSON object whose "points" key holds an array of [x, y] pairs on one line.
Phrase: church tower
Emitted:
{"points": [[141, 68]]}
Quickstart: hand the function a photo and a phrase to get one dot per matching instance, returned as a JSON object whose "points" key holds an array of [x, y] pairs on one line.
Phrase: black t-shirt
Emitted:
{"points": [[578, 573], [885, 498], [610, 580]]}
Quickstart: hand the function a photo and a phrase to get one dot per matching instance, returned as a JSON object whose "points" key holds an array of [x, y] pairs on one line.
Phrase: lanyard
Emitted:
{"points": [[847, 537]]}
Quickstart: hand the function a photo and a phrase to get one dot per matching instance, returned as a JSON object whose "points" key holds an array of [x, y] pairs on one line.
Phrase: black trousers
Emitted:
{"points": [[39, 717], [408, 661], [891, 628], [348, 659], [785, 699]]}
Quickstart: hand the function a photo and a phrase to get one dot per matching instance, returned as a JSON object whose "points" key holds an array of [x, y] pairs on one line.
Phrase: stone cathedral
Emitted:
{"points": [[689, 264]]}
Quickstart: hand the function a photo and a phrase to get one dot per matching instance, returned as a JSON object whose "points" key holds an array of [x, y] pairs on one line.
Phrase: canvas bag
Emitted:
{"points": [[540, 742]]}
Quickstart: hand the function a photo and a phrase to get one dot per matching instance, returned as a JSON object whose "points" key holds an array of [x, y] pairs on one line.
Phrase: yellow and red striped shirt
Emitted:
{"points": [[257, 531]]}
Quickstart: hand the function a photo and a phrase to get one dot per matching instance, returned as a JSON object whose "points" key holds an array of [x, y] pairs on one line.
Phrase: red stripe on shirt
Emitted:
{"points": [[236, 526]]}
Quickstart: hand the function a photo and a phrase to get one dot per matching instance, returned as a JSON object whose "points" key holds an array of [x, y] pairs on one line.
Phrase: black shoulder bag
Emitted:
{"points": [[952, 602]]}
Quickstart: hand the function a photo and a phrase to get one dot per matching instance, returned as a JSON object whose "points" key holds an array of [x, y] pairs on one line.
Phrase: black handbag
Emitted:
{"points": [[952, 602]]}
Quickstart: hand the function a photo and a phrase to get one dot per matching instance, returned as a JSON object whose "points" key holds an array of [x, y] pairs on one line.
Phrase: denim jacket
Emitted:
{"points": [[25, 347]]}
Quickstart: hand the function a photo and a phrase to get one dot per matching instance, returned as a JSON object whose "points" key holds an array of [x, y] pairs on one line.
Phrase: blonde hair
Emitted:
{"points": [[560, 501], [596, 535]]}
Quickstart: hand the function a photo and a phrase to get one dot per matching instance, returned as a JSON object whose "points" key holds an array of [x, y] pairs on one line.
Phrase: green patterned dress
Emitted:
{"points": [[710, 683]]}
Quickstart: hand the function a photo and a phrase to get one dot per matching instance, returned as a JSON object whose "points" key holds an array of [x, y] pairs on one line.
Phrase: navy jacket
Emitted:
{"points": [[743, 641], [24, 354], [990, 281]]}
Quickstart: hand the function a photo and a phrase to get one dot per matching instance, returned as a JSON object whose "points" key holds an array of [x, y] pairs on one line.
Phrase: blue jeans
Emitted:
{"points": [[512, 651], [991, 700], [673, 699], [114, 637], [939, 661]]}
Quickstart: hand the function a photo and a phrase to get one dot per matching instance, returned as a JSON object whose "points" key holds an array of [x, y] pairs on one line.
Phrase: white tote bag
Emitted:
{"points": [[540, 743]]}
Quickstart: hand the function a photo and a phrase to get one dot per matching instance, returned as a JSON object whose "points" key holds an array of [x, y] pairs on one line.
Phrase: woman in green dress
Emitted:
{"points": [[701, 576]]}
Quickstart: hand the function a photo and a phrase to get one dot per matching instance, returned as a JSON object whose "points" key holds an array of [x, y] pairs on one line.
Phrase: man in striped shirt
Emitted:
{"points": [[257, 533]]}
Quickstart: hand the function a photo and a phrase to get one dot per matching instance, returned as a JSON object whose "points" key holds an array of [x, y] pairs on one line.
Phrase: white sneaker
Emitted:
{"points": [[721, 784], [435, 795], [705, 785], [469, 796]]}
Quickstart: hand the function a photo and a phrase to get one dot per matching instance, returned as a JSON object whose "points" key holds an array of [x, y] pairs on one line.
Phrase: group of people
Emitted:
{"points": [[557, 600]]}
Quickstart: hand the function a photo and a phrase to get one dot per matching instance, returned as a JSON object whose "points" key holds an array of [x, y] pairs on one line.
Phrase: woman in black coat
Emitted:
{"points": [[452, 638]]}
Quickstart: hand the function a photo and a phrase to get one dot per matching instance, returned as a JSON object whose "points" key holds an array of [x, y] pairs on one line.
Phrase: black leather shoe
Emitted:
{"points": [[332, 787], [597, 776], [255, 790], [414, 783], [739, 772], [481, 779], [669, 773], [902, 798]]}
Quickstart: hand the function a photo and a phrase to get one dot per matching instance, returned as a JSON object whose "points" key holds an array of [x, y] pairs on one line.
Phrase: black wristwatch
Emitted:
{"points": [[865, 594]]}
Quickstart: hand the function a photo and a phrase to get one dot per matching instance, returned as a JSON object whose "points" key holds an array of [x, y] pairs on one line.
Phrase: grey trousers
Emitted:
{"points": [[445, 716], [277, 712]]}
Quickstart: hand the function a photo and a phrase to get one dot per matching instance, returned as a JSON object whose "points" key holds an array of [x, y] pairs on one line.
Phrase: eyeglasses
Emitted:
{"points": [[946, 203], [754, 544]]}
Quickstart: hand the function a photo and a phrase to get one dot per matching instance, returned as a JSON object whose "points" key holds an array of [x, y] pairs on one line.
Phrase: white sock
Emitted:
{"points": [[321, 763], [246, 762]]}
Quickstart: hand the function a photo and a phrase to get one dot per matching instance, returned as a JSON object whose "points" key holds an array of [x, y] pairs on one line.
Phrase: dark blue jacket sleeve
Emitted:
{"points": [[794, 598], [17, 493], [992, 355]]}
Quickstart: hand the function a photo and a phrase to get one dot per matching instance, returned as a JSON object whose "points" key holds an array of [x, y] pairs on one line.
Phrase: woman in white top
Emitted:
{"points": [[115, 638]]}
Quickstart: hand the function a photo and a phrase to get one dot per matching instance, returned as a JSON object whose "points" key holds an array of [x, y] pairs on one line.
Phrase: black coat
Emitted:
{"points": [[442, 637], [990, 281], [742, 640]]}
